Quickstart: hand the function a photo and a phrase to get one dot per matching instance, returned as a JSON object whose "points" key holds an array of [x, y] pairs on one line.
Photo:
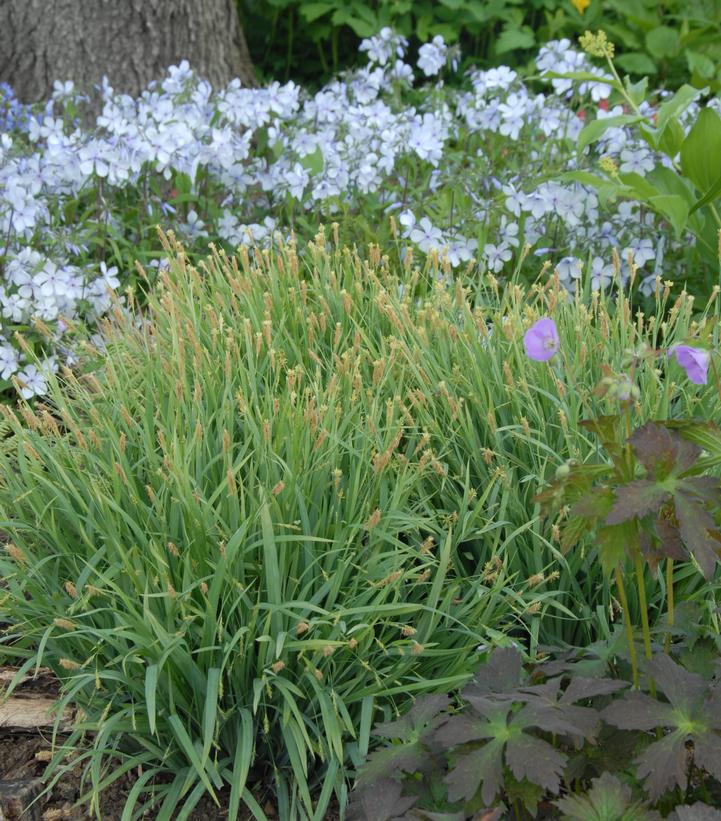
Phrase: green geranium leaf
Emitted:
{"points": [[615, 543], [609, 799]]}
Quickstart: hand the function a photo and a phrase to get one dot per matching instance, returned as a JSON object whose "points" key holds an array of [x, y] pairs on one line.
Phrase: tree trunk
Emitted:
{"points": [[130, 41]]}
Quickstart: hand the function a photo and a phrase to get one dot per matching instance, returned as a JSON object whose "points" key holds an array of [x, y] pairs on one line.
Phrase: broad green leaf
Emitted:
{"points": [[671, 138], [674, 208], [701, 151], [710, 196], [636, 62], [312, 11], [700, 64], [514, 38], [680, 101], [637, 91], [663, 42], [597, 128], [314, 162]]}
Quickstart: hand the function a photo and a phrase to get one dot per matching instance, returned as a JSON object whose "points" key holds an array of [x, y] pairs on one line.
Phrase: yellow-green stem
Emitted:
{"points": [[669, 602], [643, 604], [627, 625]]}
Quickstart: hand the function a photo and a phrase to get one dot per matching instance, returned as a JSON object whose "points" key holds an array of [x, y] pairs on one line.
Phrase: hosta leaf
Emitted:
{"points": [[536, 760], [383, 801], [609, 799], [483, 767], [636, 499]]}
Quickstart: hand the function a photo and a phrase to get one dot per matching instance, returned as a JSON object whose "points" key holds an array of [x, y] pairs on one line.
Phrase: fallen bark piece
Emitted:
{"points": [[16, 795], [31, 712]]}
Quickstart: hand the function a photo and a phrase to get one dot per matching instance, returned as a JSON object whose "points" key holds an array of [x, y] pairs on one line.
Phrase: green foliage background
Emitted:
{"points": [[309, 41]]}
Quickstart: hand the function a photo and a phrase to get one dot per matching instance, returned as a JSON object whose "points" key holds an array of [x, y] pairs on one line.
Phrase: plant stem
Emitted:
{"points": [[669, 600], [627, 625], [641, 584]]}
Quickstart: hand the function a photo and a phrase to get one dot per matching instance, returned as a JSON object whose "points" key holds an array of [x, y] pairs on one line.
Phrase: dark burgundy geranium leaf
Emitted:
{"points": [[581, 687], [467, 727], [707, 488], [683, 689], [637, 711], [637, 499], [695, 522], [671, 544], [693, 715], [664, 765], [479, 767], [662, 451], [536, 760], [416, 720], [381, 802], [500, 674]]}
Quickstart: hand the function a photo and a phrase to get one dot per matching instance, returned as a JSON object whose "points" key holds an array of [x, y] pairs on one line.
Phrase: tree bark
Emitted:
{"points": [[132, 42]]}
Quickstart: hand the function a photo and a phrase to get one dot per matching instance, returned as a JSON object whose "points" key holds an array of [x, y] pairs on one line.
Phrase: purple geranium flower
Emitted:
{"points": [[693, 360], [541, 340]]}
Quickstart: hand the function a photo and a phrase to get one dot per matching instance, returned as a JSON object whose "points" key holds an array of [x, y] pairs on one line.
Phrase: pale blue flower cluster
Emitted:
{"points": [[354, 142]]}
